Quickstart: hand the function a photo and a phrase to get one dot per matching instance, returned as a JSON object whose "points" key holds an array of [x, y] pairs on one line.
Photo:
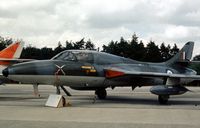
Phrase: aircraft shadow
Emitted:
{"points": [[135, 101], [150, 101], [19, 98]]}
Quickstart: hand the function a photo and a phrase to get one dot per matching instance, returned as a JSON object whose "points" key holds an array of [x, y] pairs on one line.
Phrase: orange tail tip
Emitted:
{"points": [[10, 51], [13, 51]]}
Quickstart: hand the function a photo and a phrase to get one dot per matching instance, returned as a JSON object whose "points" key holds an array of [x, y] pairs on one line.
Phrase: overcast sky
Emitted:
{"points": [[45, 22]]}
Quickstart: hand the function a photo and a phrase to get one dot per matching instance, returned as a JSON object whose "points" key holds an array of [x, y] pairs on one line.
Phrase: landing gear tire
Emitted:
{"points": [[163, 99], [101, 93]]}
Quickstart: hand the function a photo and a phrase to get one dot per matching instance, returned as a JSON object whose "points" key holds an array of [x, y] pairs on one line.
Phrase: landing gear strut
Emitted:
{"points": [[163, 99], [35, 90], [64, 89], [58, 90], [101, 93]]}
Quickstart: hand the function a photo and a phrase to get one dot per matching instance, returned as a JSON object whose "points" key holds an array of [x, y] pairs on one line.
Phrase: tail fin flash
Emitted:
{"points": [[184, 55], [12, 51], [19, 50]]}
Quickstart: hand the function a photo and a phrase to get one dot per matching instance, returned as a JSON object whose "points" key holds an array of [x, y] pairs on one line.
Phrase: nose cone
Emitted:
{"points": [[5, 72]]}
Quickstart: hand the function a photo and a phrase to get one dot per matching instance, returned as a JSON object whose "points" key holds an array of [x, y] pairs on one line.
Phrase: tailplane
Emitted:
{"points": [[183, 56]]}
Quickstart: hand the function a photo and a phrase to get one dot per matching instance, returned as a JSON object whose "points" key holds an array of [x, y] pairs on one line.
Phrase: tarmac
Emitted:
{"points": [[19, 108]]}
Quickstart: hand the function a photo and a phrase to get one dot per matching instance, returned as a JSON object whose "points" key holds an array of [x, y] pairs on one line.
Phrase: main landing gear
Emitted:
{"points": [[101, 93], [163, 99]]}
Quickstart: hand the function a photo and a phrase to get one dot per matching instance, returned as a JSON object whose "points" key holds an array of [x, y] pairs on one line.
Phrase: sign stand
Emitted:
{"points": [[56, 101]]}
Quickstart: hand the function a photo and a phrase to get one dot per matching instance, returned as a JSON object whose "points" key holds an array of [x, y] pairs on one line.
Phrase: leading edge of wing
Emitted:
{"points": [[116, 72]]}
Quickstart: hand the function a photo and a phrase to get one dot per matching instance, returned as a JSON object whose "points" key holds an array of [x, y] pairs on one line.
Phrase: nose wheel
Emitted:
{"points": [[101, 93]]}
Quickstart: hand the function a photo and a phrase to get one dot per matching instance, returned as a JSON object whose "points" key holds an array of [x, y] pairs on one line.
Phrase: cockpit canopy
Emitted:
{"points": [[90, 57]]}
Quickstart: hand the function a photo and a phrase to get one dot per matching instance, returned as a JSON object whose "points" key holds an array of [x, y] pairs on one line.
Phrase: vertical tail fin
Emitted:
{"points": [[184, 55], [12, 51]]}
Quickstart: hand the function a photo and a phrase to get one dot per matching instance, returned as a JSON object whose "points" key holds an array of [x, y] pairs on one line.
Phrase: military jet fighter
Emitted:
{"points": [[92, 70]]}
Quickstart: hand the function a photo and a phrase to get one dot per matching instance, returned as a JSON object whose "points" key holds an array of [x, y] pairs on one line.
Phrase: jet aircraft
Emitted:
{"points": [[92, 70]]}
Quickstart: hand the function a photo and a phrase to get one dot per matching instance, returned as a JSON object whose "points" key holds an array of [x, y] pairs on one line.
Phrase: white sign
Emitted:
{"points": [[55, 101]]}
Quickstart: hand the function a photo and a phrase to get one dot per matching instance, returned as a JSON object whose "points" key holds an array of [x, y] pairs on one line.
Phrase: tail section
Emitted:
{"points": [[12, 51], [183, 56]]}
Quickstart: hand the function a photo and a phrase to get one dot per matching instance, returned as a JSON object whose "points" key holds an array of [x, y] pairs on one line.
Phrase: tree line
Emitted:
{"points": [[31, 52], [132, 48], [135, 49], [47, 53]]}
